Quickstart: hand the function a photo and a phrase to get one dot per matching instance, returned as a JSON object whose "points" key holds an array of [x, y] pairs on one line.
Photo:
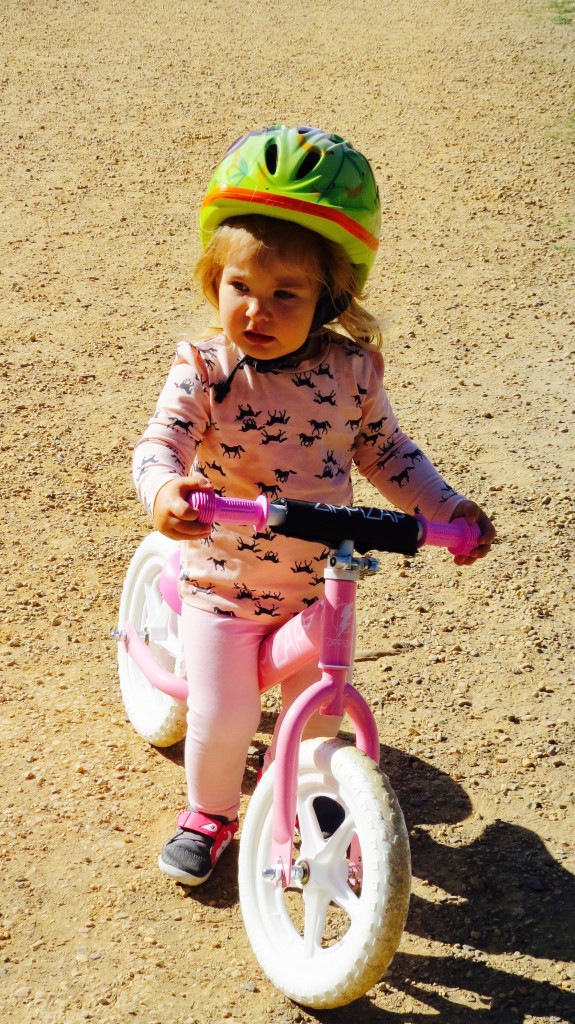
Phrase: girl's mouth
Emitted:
{"points": [[258, 339]]}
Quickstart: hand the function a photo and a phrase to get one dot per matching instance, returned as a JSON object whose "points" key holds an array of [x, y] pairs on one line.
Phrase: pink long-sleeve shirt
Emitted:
{"points": [[278, 430]]}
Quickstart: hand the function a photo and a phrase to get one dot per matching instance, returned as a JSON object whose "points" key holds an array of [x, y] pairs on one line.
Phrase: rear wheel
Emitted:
{"points": [[157, 717], [326, 940]]}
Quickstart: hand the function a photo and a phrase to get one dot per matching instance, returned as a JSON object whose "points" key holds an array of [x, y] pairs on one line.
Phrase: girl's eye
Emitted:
{"points": [[284, 295], [239, 286]]}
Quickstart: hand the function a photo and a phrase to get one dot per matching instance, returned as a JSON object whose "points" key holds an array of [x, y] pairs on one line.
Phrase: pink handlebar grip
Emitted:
{"points": [[459, 537], [230, 510]]}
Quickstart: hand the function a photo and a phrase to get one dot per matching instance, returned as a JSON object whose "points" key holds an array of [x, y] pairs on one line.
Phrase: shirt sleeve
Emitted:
{"points": [[392, 462], [168, 445]]}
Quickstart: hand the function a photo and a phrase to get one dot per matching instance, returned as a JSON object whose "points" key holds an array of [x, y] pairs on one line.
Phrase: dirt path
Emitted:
{"points": [[113, 114]]}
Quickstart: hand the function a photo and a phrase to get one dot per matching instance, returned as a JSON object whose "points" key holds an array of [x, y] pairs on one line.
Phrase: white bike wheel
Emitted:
{"points": [[325, 942], [157, 717]]}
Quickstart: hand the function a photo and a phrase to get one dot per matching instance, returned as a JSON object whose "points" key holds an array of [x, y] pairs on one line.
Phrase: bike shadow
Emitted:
{"points": [[482, 994], [502, 893]]}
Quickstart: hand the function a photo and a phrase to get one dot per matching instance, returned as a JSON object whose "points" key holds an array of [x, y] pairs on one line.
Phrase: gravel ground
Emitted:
{"points": [[113, 115]]}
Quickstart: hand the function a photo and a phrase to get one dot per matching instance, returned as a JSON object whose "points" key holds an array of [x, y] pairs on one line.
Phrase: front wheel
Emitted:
{"points": [[157, 717], [325, 940]]}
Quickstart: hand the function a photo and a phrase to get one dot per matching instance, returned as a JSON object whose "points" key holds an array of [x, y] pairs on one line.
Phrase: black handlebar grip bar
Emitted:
{"points": [[370, 529]]}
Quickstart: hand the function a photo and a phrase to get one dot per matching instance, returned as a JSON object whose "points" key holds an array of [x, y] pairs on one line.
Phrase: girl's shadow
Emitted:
{"points": [[505, 892]]}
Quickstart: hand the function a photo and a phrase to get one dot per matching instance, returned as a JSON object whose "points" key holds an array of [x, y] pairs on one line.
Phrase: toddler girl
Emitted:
{"points": [[276, 402]]}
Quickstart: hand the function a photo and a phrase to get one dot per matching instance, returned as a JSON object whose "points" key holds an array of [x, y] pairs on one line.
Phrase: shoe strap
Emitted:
{"points": [[195, 821]]}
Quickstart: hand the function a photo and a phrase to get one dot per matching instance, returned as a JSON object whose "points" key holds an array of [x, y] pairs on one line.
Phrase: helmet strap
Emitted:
{"points": [[293, 359], [328, 309]]}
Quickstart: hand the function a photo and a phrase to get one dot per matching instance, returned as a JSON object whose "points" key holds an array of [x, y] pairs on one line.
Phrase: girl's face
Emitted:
{"points": [[266, 304]]}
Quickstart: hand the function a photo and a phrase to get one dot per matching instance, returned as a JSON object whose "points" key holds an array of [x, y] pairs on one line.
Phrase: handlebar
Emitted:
{"points": [[459, 536], [369, 528], [240, 511]]}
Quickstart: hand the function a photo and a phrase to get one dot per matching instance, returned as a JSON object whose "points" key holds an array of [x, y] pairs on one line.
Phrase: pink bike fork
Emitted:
{"points": [[332, 695]]}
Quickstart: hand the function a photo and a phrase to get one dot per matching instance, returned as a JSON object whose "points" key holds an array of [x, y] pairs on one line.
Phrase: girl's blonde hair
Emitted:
{"points": [[324, 260]]}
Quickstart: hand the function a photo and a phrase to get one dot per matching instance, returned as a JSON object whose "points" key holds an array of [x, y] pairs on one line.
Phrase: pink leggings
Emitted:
{"points": [[224, 706]]}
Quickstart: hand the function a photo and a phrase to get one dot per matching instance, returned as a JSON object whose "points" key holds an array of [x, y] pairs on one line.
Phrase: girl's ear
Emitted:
{"points": [[328, 308]]}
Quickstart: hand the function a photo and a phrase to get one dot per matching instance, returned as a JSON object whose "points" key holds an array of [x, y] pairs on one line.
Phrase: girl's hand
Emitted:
{"points": [[474, 514], [172, 514]]}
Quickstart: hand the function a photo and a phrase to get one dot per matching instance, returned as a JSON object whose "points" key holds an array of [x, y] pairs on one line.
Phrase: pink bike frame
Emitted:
{"points": [[326, 632]]}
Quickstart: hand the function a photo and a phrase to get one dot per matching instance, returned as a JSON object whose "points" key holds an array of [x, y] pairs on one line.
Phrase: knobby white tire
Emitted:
{"points": [[158, 718], [325, 942]]}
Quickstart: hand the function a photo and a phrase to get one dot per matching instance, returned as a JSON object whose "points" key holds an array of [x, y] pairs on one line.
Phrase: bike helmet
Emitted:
{"points": [[303, 175]]}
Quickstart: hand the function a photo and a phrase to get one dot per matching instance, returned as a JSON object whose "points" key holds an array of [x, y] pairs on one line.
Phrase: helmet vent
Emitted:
{"points": [[309, 163], [271, 157]]}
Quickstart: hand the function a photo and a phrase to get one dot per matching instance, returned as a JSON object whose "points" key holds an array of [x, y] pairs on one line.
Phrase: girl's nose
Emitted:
{"points": [[256, 309]]}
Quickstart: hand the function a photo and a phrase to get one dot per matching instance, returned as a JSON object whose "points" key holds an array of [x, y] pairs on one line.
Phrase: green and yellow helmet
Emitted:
{"points": [[302, 175]]}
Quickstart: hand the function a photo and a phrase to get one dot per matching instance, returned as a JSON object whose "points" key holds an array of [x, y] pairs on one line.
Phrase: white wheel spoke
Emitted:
{"points": [[153, 605], [311, 837], [316, 902], [347, 901], [159, 621], [337, 844]]}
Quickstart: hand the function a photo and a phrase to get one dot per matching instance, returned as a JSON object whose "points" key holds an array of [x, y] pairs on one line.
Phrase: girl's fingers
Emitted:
{"points": [[470, 511]]}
